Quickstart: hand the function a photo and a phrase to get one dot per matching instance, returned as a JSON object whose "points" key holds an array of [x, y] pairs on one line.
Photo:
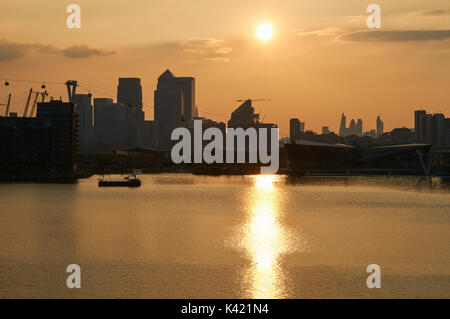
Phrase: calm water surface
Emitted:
{"points": [[184, 236]]}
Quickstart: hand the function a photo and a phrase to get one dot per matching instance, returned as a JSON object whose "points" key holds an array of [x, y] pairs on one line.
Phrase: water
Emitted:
{"points": [[185, 236]]}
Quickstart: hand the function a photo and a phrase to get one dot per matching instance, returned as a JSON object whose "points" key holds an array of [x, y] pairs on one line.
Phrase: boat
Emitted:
{"points": [[129, 181]]}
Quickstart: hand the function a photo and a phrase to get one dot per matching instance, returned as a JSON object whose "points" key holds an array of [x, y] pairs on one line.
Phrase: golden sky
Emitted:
{"points": [[321, 61]]}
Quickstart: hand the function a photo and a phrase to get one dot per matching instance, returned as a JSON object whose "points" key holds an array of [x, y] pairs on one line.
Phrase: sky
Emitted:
{"points": [[322, 60]]}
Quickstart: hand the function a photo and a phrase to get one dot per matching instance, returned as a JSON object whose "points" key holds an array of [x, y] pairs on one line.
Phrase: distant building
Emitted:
{"points": [[371, 133], [438, 130], [343, 126], [431, 129], [325, 130], [380, 126], [129, 92], [355, 128], [447, 133], [418, 124], [296, 127], [110, 125]]}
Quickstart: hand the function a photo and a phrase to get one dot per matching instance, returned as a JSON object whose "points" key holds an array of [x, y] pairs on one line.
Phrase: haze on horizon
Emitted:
{"points": [[322, 59]]}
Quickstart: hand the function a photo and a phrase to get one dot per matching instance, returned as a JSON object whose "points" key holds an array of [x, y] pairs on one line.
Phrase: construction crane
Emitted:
{"points": [[25, 111], [7, 105], [43, 95], [254, 100], [71, 88]]}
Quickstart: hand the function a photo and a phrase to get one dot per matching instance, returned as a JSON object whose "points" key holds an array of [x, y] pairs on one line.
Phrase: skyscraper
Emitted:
{"points": [[343, 125], [294, 129], [129, 92], [418, 127], [174, 103], [359, 128], [438, 130], [187, 86], [380, 126]]}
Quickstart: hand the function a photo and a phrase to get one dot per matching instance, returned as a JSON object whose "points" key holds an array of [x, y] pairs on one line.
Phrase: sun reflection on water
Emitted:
{"points": [[265, 239]]}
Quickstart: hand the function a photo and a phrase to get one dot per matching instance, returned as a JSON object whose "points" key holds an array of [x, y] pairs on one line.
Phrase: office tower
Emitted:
{"points": [[64, 130], [359, 128], [110, 125], [343, 125], [380, 127], [83, 108], [129, 92], [174, 106], [418, 128], [325, 130], [352, 128], [438, 130], [447, 133], [187, 86], [427, 128], [150, 134], [294, 129]]}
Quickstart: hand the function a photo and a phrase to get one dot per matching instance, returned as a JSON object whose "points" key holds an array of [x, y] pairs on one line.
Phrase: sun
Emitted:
{"points": [[265, 31]]}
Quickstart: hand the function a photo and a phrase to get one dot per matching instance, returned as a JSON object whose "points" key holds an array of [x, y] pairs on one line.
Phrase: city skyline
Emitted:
{"points": [[321, 61]]}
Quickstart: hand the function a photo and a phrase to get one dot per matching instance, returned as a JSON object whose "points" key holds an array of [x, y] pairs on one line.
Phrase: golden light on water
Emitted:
{"points": [[265, 239]]}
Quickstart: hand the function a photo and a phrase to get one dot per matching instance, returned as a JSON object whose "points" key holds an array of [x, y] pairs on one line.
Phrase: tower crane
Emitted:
{"points": [[7, 105], [28, 103], [71, 88], [254, 100]]}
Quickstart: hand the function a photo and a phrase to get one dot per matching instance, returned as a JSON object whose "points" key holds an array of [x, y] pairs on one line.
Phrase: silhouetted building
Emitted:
{"points": [[64, 134], [430, 129], [343, 126], [245, 117], [380, 126], [110, 125], [447, 133], [438, 130], [294, 129], [418, 124], [325, 130], [25, 144], [353, 129], [129, 92], [83, 107], [174, 106]]}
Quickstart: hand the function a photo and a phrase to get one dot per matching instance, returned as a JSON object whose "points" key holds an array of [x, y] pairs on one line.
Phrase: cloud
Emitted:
{"points": [[330, 31], [438, 12], [11, 50], [395, 36], [83, 51], [206, 49]]}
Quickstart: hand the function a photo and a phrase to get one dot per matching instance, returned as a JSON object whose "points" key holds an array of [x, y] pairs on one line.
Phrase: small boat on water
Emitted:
{"points": [[129, 181]]}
